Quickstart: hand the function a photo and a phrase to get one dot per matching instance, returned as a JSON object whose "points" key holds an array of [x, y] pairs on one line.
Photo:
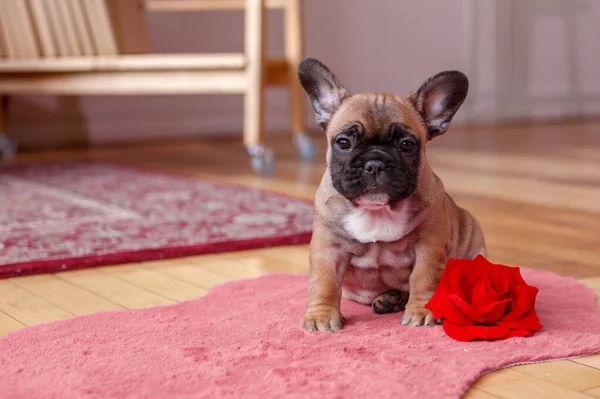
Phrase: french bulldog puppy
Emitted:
{"points": [[384, 225]]}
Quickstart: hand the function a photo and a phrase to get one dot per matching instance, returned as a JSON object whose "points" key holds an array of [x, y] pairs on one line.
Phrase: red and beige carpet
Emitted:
{"points": [[61, 216], [243, 340]]}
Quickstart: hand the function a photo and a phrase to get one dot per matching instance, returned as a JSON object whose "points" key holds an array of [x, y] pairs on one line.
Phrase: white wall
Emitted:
{"points": [[525, 58], [534, 59]]}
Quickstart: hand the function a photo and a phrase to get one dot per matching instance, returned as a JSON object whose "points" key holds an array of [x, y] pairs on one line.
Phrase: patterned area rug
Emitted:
{"points": [[61, 216]]}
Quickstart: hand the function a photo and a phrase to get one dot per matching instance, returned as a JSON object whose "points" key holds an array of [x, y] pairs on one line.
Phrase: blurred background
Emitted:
{"points": [[527, 60], [176, 86]]}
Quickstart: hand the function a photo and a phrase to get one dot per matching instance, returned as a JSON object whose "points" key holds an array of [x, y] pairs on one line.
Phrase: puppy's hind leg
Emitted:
{"points": [[391, 301]]}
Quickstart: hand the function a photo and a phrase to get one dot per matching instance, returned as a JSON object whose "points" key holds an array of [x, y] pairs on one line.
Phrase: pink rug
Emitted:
{"points": [[243, 340], [61, 216]]}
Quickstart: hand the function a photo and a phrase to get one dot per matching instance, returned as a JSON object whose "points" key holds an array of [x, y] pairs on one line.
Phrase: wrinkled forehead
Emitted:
{"points": [[376, 112]]}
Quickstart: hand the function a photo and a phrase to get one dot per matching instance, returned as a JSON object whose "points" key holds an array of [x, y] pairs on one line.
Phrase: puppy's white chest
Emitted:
{"points": [[369, 226]]}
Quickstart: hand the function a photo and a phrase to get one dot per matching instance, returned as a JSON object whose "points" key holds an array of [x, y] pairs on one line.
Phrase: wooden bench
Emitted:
{"points": [[99, 47]]}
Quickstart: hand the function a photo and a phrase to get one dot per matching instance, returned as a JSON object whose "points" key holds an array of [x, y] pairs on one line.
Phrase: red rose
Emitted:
{"points": [[480, 300]]}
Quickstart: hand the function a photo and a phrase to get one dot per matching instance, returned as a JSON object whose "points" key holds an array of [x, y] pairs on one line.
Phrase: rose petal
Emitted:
{"points": [[437, 302], [515, 275], [529, 321], [443, 307], [483, 267], [480, 297], [466, 309], [494, 311], [481, 261], [464, 274], [443, 288], [500, 283], [513, 272], [522, 303], [448, 271], [533, 291], [484, 293], [469, 333], [456, 277]]}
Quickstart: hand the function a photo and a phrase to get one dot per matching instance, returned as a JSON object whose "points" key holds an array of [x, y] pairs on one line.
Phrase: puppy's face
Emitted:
{"points": [[376, 141], [375, 149]]}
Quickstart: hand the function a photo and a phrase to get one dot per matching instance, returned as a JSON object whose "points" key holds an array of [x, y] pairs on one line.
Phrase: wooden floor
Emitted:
{"points": [[535, 189]]}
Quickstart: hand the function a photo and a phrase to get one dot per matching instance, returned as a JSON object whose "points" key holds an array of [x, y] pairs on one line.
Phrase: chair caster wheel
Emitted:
{"points": [[305, 146], [263, 159], [8, 148]]}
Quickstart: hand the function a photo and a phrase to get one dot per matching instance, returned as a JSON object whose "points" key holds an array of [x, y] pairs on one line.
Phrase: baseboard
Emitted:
{"points": [[69, 128], [50, 131]]}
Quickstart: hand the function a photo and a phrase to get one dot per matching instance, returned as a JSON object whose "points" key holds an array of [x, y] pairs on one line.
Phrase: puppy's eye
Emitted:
{"points": [[343, 143], [407, 145]]}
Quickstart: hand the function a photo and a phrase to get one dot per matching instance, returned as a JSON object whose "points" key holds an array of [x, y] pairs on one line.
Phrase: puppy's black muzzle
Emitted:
{"points": [[375, 162]]}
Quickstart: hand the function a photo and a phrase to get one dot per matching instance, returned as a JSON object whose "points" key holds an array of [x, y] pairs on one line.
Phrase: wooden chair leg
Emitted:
{"points": [[254, 36], [294, 54], [263, 159]]}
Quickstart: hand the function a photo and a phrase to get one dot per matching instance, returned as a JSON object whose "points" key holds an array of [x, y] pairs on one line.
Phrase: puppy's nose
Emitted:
{"points": [[374, 167]]}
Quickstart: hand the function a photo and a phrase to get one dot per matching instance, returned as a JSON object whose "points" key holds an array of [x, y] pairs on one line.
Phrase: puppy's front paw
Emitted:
{"points": [[325, 319], [416, 315]]}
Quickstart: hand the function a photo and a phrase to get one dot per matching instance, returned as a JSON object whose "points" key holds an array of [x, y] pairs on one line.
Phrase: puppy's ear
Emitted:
{"points": [[325, 91], [438, 99]]}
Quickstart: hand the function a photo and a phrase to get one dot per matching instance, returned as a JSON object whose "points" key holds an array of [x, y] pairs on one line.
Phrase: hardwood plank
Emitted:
{"points": [[114, 289], [510, 384], [474, 393], [160, 284], [65, 295], [194, 273], [8, 324], [590, 361], [595, 393], [581, 197], [546, 166], [511, 238], [530, 227], [232, 268], [515, 256], [26, 308], [287, 259], [217, 268], [592, 282], [564, 373]]}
